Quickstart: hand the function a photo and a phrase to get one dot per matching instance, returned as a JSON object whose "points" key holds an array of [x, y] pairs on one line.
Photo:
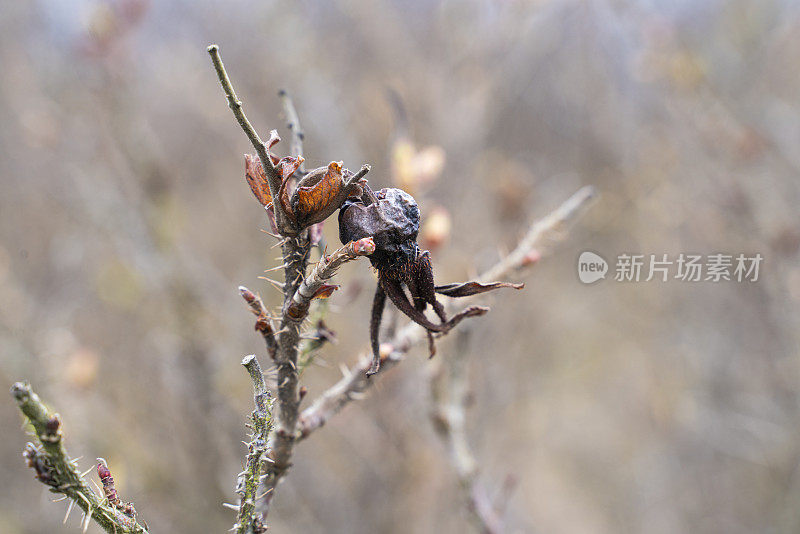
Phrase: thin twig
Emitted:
{"points": [[552, 227], [273, 176], [354, 383], [56, 469]]}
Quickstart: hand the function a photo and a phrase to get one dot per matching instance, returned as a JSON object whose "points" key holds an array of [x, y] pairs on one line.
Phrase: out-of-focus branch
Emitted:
{"points": [[273, 176], [354, 383], [293, 123], [248, 520], [449, 396], [56, 469], [552, 227], [316, 338]]}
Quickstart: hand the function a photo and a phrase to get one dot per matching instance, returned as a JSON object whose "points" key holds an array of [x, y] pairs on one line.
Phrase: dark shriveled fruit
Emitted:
{"points": [[391, 217], [392, 222]]}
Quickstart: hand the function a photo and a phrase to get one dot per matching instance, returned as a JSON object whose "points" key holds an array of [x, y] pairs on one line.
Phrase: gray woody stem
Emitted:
{"points": [[55, 468], [298, 295], [295, 259], [354, 383]]}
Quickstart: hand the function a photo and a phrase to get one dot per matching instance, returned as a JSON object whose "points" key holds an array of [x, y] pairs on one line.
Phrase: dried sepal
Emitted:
{"points": [[325, 291], [286, 168], [257, 179], [467, 289], [259, 183]]}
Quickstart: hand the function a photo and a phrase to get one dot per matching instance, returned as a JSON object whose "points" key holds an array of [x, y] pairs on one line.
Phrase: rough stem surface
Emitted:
{"points": [[56, 469]]}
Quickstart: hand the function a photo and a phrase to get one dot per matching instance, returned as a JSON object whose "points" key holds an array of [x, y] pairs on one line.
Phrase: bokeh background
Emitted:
{"points": [[126, 226]]}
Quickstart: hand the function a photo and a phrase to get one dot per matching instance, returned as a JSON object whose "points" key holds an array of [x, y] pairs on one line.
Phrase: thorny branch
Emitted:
{"points": [[56, 469], [298, 290], [247, 520], [354, 382], [295, 259]]}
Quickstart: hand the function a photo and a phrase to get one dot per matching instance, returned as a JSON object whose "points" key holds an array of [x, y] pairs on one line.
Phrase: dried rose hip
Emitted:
{"points": [[392, 222], [391, 217]]}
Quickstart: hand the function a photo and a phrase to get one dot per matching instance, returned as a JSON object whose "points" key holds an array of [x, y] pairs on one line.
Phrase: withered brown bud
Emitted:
{"points": [[392, 221], [52, 425]]}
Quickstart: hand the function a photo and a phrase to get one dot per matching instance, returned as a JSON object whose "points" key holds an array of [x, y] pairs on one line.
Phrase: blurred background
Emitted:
{"points": [[126, 226]]}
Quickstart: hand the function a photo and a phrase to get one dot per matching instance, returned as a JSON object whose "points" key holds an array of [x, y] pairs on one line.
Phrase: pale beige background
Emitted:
{"points": [[126, 225]]}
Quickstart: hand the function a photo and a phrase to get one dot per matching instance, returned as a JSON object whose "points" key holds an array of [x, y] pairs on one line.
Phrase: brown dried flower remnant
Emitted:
{"points": [[315, 195], [391, 217]]}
